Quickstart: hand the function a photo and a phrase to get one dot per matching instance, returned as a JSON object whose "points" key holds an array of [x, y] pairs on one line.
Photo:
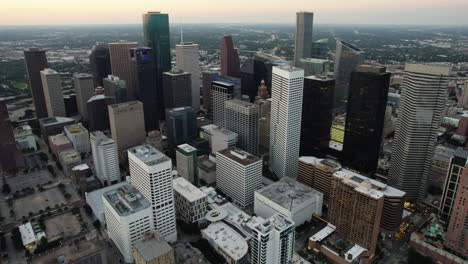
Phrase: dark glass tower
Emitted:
{"points": [[146, 85], [7, 140], [177, 88], [181, 124], [156, 36], [99, 59], [36, 61], [317, 115], [230, 65], [98, 112], [367, 101]]}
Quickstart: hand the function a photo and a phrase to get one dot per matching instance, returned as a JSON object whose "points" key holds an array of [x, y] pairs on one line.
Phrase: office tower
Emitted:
{"points": [[457, 231], [262, 92], [177, 88], [36, 61], [116, 88], [365, 116], [128, 218], [156, 36], [53, 125], [230, 64], [84, 89], [238, 175], [320, 49], [237, 82], [153, 249], [151, 174], [207, 78], [127, 124], [463, 100], [7, 140], [123, 66], [98, 114], [303, 43], [347, 57], [79, 137], [100, 62], [222, 139], [59, 143], [181, 123], [264, 123], [52, 85], [105, 158], [317, 115], [241, 117], [457, 163], [146, 89], [314, 66], [273, 241], [206, 170], [71, 107], [286, 111], [190, 202], [253, 73], [188, 61], [220, 93], [68, 159], [186, 157], [422, 100]]}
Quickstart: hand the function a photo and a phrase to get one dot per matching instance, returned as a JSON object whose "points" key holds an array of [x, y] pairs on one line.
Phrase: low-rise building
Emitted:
{"points": [[153, 249], [221, 139], [206, 170], [68, 159], [190, 202], [79, 137], [227, 242], [30, 236], [59, 143], [187, 254], [25, 139], [53, 125]]}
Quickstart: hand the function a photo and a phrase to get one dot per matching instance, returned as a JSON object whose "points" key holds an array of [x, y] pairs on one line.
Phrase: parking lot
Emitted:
{"points": [[32, 179], [37, 201], [66, 225]]}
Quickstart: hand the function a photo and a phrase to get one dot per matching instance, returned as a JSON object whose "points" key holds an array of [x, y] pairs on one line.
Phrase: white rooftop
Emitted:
{"points": [[94, 199], [382, 187], [188, 190], [149, 154], [324, 233], [81, 167], [354, 252], [27, 234], [227, 239], [187, 148]]}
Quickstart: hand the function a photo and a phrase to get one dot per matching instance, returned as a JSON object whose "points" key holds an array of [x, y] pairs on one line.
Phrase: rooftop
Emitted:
{"points": [[126, 200], [185, 252], [226, 84], [59, 139], [188, 190], [313, 60], [22, 131], [241, 103], [82, 76], [224, 131], [126, 106], [277, 222], [239, 156], [230, 242], [187, 148], [70, 155], [81, 167], [361, 184], [152, 247], [176, 72], [322, 78], [350, 46], [48, 71], [94, 198], [149, 154], [76, 128], [55, 120], [204, 163], [289, 193], [288, 68], [27, 233]]}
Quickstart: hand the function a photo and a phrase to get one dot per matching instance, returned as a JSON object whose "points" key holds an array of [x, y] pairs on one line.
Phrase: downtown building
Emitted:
{"points": [[123, 67], [151, 174], [186, 157], [241, 117], [181, 124], [220, 93], [105, 158], [84, 90], [187, 59], [177, 88], [230, 64], [127, 124], [79, 137], [98, 112], [115, 88], [52, 84], [190, 202], [207, 79], [36, 61], [346, 59], [8, 152], [303, 41], [99, 59]]}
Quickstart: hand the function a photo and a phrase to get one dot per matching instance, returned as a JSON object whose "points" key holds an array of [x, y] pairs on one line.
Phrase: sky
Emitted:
{"points": [[59, 12]]}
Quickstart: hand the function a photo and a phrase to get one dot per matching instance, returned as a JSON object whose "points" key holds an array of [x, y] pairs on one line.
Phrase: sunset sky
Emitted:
{"points": [[425, 12]]}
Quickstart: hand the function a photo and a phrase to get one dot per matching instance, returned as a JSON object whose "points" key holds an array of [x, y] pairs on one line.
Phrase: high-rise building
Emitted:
{"points": [[365, 117], [190, 202], [320, 49], [230, 64], [422, 100], [273, 241], [123, 67], [286, 112], [84, 89], [79, 137], [98, 114], [207, 78], [36, 61], [156, 36], [71, 107], [151, 174], [238, 175], [115, 88], [128, 218], [153, 249], [346, 59], [100, 62], [146, 89], [303, 43], [181, 123], [317, 115], [314, 66], [177, 88], [220, 93], [187, 60], [7, 140], [221, 139], [186, 157], [241, 117], [127, 124], [237, 82], [52, 84], [105, 158]]}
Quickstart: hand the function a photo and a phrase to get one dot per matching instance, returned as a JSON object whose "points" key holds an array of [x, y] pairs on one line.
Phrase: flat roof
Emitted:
{"points": [[277, 222], [223, 83], [126, 106], [126, 200], [382, 187], [152, 247], [55, 120], [188, 190], [82, 75], [27, 234], [354, 253], [94, 198], [59, 139], [76, 128], [227, 239], [187, 148], [70, 155], [149, 154], [48, 71], [206, 164], [323, 233], [361, 185], [81, 167], [239, 156]]}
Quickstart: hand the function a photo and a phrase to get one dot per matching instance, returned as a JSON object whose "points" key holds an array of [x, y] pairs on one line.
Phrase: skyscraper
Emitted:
{"points": [[115, 88], [303, 43], [127, 124], [207, 77], [146, 89], [220, 93], [422, 100], [84, 89], [320, 49], [7, 140], [36, 61], [186, 156], [177, 88], [122, 65], [230, 64], [52, 86], [346, 59], [99, 59], [105, 158], [365, 115], [241, 117], [317, 115], [187, 60], [181, 123], [98, 114], [286, 112], [151, 174], [156, 36]]}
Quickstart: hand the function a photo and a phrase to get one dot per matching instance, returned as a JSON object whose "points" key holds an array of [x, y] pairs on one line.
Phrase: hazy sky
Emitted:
{"points": [[424, 12]]}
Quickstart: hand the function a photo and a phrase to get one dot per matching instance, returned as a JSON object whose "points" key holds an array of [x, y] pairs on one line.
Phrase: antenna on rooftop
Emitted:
{"points": [[181, 32]]}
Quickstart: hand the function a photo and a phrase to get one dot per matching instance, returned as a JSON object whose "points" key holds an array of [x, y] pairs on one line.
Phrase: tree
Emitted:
{"points": [[3, 244], [16, 238], [97, 224], [414, 257], [61, 186], [6, 188]]}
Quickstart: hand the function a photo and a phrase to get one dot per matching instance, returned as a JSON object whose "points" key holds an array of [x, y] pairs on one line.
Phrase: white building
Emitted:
{"points": [[238, 175], [241, 117], [150, 172], [206, 132], [187, 60], [186, 157], [220, 93], [289, 198], [79, 137], [94, 200], [30, 236], [221, 139], [105, 158], [25, 138], [190, 202], [227, 242], [286, 112], [273, 241], [52, 85], [128, 218]]}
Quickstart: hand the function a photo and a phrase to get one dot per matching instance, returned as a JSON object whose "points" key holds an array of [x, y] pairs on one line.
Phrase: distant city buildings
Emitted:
{"points": [[36, 61], [105, 158], [220, 93], [314, 66], [188, 61], [303, 41], [207, 78], [127, 124], [52, 85], [230, 64]]}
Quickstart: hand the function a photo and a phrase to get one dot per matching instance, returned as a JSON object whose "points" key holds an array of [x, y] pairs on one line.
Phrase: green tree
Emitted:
{"points": [[6, 188]]}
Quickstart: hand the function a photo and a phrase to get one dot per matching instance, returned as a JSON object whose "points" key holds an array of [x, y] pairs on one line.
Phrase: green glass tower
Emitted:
{"points": [[156, 36]]}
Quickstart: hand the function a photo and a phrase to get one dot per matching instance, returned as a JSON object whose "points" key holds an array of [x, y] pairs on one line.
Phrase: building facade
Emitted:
{"points": [[99, 59], [105, 158], [7, 140], [241, 117], [220, 93], [36, 61], [98, 112], [52, 85], [190, 202], [186, 157], [84, 89], [207, 78], [346, 59], [127, 124], [181, 124], [230, 64], [303, 42], [123, 67], [79, 137], [152, 249], [177, 86], [115, 88], [188, 61]]}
